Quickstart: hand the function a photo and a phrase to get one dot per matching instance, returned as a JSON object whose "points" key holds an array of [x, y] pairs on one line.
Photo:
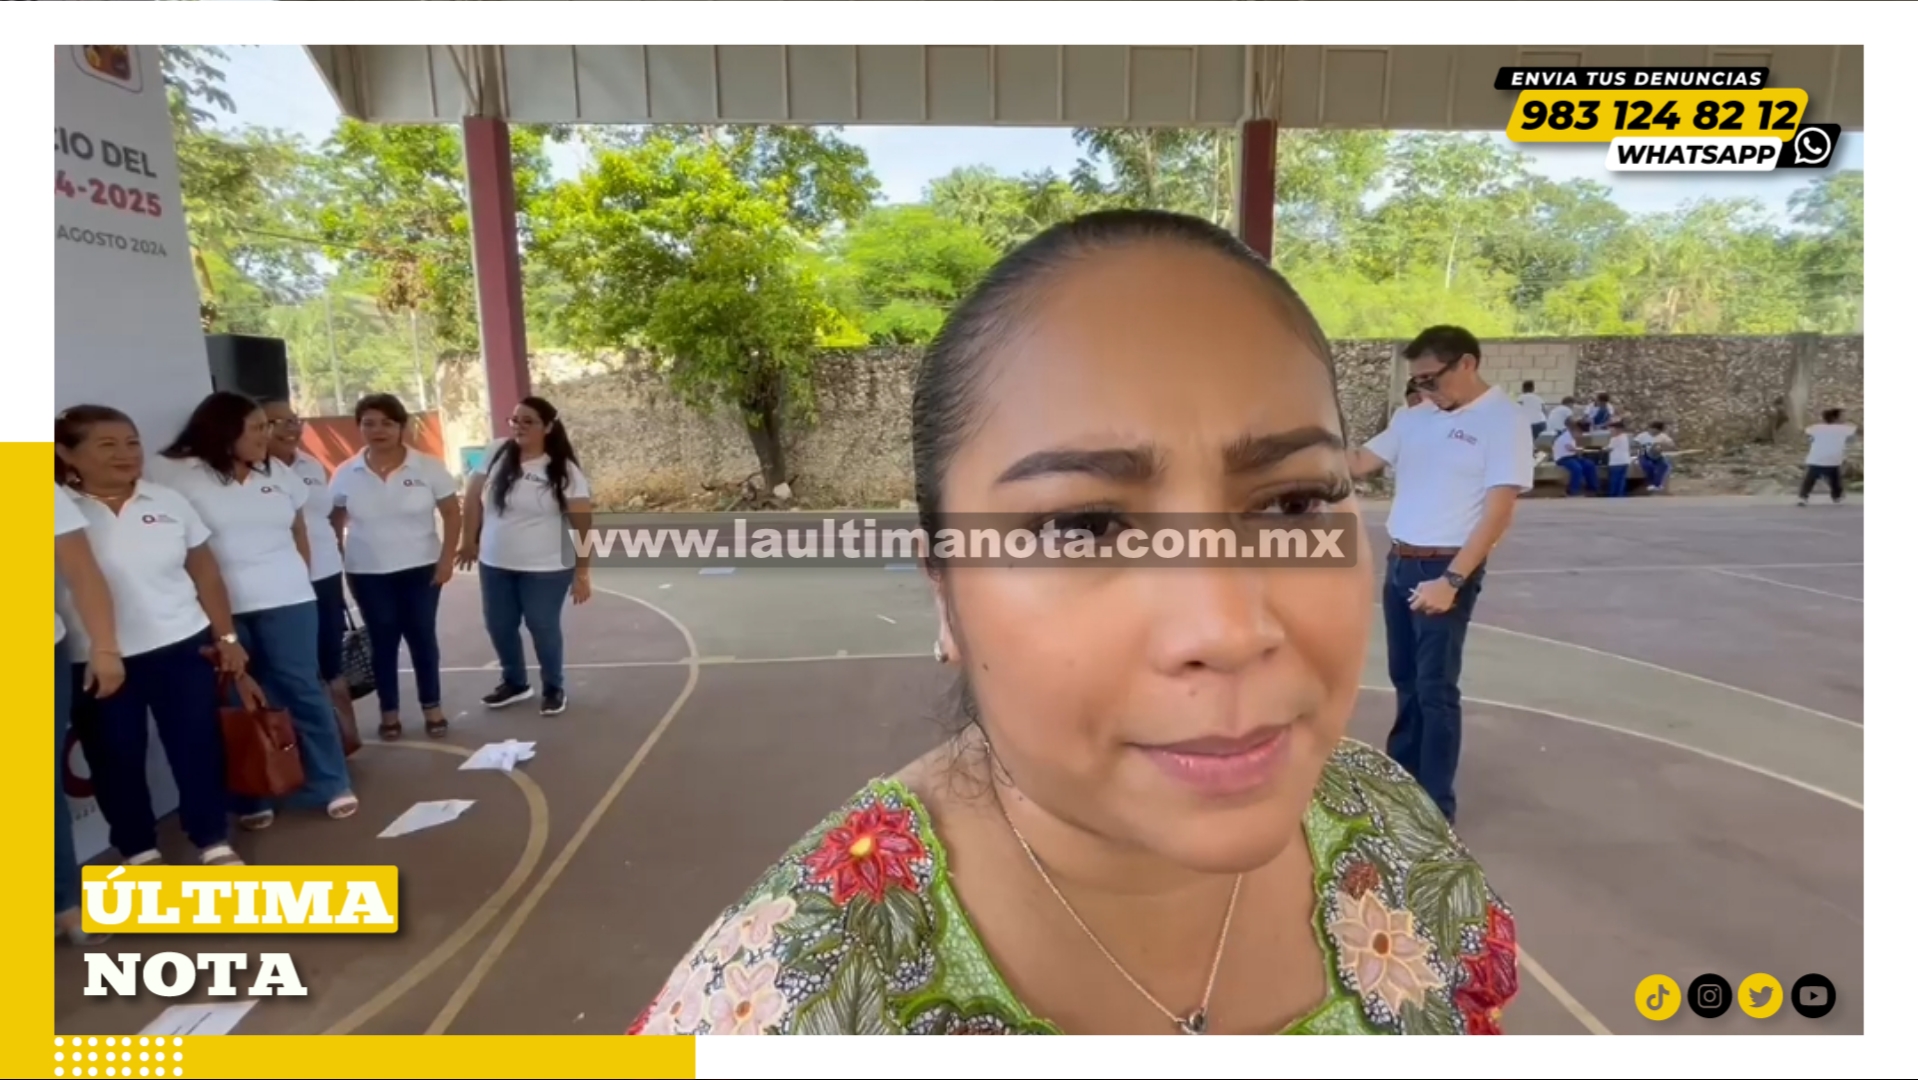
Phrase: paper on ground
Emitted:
{"points": [[425, 815], [501, 756], [200, 1019]]}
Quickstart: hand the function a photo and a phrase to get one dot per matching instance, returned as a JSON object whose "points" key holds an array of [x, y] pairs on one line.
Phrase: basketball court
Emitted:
{"points": [[1663, 773]]}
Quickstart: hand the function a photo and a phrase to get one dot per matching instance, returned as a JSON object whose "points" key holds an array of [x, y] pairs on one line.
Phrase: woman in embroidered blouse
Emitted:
{"points": [[1151, 822]]}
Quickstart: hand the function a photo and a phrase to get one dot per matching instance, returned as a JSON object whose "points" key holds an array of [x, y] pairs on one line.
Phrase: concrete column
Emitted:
{"points": [[1801, 380], [502, 304]]}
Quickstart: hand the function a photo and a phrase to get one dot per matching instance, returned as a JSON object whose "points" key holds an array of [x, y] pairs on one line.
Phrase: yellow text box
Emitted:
{"points": [[240, 899], [1599, 116]]}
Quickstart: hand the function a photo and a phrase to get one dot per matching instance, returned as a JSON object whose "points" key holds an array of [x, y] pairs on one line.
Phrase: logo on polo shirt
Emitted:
{"points": [[158, 519], [409, 483], [1463, 436], [267, 489], [310, 482]]}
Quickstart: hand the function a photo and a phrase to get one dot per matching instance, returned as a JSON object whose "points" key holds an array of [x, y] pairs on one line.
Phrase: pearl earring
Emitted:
{"points": [[939, 651]]}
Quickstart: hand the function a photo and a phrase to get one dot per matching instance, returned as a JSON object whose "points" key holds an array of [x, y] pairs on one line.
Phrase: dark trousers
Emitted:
{"points": [[1579, 471], [536, 598], [401, 606], [1830, 474], [1616, 476], [1656, 470], [331, 594], [66, 868], [1425, 654], [178, 686], [1537, 430]]}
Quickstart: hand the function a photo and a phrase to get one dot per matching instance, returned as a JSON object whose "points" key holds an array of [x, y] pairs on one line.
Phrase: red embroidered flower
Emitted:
{"points": [[1359, 878], [869, 852], [1491, 975]]}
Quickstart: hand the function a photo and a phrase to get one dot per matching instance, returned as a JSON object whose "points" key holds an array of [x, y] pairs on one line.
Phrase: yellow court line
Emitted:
{"points": [[1561, 995]]}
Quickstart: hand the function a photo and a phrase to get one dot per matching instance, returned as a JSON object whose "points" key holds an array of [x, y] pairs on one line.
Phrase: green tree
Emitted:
{"points": [[1006, 210], [902, 268], [1831, 250], [689, 250]]}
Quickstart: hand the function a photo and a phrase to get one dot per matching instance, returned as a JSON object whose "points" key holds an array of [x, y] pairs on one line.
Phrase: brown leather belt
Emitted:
{"points": [[1413, 551]]}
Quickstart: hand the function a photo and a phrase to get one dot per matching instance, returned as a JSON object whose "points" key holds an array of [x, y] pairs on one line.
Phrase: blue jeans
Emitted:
{"points": [[282, 658], [1425, 654], [66, 868], [1656, 470], [1579, 471], [1616, 476], [178, 686], [401, 606], [537, 598], [330, 593]]}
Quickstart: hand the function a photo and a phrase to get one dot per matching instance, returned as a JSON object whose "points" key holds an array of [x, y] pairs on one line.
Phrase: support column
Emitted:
{"points": [[502, 303], [1258, 183]]}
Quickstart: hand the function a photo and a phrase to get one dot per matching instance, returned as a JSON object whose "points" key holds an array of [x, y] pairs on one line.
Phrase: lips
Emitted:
{"points": [[1222, 766]]}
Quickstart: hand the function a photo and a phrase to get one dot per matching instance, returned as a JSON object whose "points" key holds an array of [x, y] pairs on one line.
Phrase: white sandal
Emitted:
{"points": [[343, 807], [257, 821], [221, 855]]}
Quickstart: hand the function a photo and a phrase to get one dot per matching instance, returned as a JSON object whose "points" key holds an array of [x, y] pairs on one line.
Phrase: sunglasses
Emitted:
{"points": [[1429, 380]]}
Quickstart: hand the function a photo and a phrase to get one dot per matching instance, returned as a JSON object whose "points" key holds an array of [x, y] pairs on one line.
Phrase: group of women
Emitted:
{"points": [[217, 572]]}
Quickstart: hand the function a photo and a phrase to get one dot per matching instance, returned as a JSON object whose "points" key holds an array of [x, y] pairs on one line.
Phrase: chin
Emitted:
{"points": [[1235, 842]]}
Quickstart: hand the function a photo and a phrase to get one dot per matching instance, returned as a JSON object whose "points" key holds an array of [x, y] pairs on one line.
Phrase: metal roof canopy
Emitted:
{"points": [[1397, 87]]}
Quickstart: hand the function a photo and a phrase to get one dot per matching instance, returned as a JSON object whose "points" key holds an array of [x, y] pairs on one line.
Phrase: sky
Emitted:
{"points": [[276, 86]]}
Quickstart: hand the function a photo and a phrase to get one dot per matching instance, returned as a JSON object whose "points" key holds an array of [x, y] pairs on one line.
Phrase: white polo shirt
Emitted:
{"points": [[1566, 445], [1556, 420], [321, 541], [252, 525], [1532, 407], [1828, 444], [1620, 449], [67, 518], [1444, 463], [142, 553], [531, 535], [392, 524]]}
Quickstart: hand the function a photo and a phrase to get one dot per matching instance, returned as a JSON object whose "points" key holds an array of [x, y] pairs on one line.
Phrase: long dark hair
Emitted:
{"points": [[70, 429], [211, 432], [559, 455]]}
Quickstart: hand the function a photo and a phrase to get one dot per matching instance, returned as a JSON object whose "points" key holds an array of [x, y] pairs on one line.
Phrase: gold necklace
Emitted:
{"points": [[1193, 1023]]}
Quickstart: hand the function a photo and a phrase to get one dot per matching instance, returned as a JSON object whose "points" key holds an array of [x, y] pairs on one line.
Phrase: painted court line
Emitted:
{"points": [[1787, 585], [1669, 567], [1561, 995]]}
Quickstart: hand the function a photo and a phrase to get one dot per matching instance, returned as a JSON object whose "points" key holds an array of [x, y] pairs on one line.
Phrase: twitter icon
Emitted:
{"points": [[1760, 995]]}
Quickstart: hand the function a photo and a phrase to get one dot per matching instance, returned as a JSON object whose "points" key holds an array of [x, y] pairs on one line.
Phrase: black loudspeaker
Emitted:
{"points": [[254, 366]]}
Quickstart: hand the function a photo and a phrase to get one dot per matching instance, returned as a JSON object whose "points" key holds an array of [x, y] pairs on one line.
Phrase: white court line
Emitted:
{"points": [[1561, 995], [1787, 585], [1781, 702], [1670, 567]]}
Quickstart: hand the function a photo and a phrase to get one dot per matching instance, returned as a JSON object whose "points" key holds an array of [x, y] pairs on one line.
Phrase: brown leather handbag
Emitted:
{"points": [[262, 747]]}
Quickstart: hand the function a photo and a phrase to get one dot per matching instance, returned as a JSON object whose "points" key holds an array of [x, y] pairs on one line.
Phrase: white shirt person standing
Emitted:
{"points": [[1826, 458], [517, 515], [399, 512], [1459, 468]]}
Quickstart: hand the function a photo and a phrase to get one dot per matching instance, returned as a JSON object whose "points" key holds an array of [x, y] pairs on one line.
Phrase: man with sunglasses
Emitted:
{"points": [[1458, 471]]}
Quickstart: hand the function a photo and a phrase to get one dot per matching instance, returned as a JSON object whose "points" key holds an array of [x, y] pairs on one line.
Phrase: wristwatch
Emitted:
{"points": [[1454, 580], [228, 639]]}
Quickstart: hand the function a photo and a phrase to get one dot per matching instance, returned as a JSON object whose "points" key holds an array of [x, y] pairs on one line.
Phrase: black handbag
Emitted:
{"points": [[356, 659]]}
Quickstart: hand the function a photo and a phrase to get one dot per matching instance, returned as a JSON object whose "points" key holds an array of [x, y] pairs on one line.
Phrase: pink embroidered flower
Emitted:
{"points": [[1379, 948], [752, 929], [680, 1005], [748, 1001]]}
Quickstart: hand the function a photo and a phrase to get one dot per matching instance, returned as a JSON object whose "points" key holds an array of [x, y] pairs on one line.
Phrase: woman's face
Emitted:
{"points": [[1178, 387], [379, 430], [283, 429], [108, 455], [528, 429], [250, 447]]}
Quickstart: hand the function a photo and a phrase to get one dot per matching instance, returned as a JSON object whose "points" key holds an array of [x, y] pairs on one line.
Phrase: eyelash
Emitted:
{"points": [[1319, 496]]}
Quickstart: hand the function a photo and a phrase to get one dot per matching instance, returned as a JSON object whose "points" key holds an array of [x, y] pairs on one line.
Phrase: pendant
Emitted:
{"points": [[1194, 1024]]}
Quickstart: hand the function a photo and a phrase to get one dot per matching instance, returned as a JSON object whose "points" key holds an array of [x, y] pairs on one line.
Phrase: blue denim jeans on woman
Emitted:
{"points": [[282, 649], [538, 599], [66, 869], [402, 606]]}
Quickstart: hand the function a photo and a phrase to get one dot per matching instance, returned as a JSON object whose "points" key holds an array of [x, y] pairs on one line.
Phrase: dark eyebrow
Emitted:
{"points": [[1255, 453], [1133, 465]]}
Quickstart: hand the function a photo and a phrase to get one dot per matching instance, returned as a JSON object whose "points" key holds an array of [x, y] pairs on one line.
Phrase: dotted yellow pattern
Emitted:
{"points": [[120, 1056]]}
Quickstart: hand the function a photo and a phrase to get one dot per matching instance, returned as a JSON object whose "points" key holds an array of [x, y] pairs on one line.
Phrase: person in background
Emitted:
{"points": [[328, 571], [1600, 415], [1826, 458], [1652, 444], [1580, 474], [219, 463], [1532, 408], [1413, 399], [1560, 416], [81, 578], [1461, 467], [1618, 460], [516, 518], [169, 604], [385, 502]]}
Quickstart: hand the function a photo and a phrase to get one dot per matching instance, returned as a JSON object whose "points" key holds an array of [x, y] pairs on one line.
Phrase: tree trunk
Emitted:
{"points": [[768, 436]]}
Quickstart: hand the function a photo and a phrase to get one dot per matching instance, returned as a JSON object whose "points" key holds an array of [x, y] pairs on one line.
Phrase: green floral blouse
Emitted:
{"points": [[858, 931]]}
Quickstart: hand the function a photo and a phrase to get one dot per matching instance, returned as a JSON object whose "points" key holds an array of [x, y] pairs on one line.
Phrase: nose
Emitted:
{"points": [[1210, 619]]}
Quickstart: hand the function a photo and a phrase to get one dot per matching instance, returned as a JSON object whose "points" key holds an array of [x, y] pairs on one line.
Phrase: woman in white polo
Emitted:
{"points": [[517, 512], [169, 603], [219, 462], [85, 588], [386, 500], [284, 428]]}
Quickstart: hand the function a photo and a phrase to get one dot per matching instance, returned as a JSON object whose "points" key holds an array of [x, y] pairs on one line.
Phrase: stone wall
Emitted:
{"points": [[644, 447]]}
